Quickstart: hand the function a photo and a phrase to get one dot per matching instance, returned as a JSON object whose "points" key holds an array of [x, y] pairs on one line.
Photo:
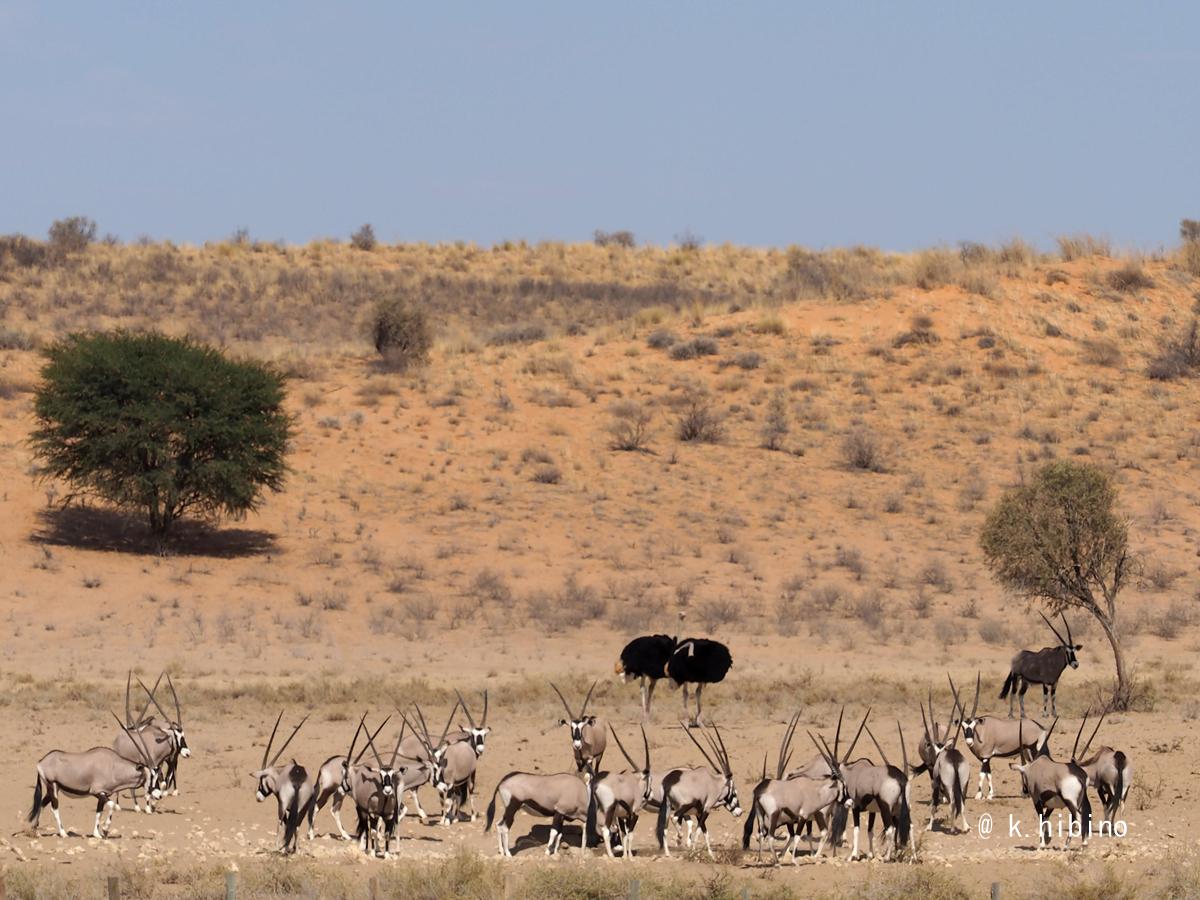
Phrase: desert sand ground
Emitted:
{"points": [[468, 526]]}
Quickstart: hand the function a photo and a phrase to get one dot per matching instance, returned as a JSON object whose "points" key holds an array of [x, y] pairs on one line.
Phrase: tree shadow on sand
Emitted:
{"points": [[112, 531]]}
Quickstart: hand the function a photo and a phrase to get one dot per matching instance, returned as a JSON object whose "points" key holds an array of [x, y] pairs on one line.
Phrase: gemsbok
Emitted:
{"points": [[794, 801], [588, 739], [453, 764], [990, 737], [564, 797], [100, 772], [1111, 774], [949, 771], [327, 790], [289, 784], [375, 793], [1042, 667], [1057, 785], [876, 790], [164, 745], [619, 797], [696, 792]]}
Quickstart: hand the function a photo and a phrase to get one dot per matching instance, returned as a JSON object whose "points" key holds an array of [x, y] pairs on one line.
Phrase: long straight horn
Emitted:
{"points": [[271, 740], [975, 702], [1079, 734], [703, 752], [175, 697], [854, 743], [928, 734], [624, 752], [824, 751], [837, 735], [354, 740], [136, 743], [465, 708], [1021, 739], [956, 716], [483, 721], [903, 748], [1088, 745], [954, 693], [141, 718], [566, 705], [279, 752], [724, 753], [1067, 625], [128, 712], [162, 712], [880, 749], [449, 722], [587, 699], [424, 740], [371, 743], [1061, 639], [396, 749]]}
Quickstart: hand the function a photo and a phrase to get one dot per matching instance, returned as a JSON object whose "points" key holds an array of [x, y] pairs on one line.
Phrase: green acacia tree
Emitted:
{"points": [[162, 425], [1059, 541]]}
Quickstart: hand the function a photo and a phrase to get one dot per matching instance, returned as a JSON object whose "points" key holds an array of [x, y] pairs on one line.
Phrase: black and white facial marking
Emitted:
{"points": [[387, 781], [731, 797], [1071, 650], [477, 737], [577, 726], [178, 739], [266, 786]]}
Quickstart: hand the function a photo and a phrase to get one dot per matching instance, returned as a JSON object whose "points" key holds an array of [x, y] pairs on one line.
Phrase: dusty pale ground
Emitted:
{"points": [[413, 552]]}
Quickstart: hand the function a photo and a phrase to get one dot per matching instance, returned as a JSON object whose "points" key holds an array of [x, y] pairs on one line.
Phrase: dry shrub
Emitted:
{"points": [[629, 429], [401, 333], [934, 268], [661, 339], [777, 422], [1101, 352], [1082, 246], [717, 612], [863, 450], [547, 475], [524, 333], [1177, 357], [699, 420], [490, 585], [838, 274], [696, 347], [993, 632], [1129, 278], [920, 331]]}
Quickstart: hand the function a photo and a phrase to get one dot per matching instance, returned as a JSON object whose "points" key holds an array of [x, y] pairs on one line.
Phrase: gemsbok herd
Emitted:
{"points": [[827, 792]]}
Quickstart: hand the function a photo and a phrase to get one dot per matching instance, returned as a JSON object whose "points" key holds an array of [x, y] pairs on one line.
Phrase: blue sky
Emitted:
{"points": [[893, 124]]}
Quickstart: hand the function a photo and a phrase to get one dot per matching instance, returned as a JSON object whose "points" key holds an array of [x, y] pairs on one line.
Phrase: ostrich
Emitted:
{"points": [[686, 661]]}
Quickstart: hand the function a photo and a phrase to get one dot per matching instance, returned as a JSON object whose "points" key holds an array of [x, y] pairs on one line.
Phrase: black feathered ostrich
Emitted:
{"points": [[1042, 667], [697, 661]]}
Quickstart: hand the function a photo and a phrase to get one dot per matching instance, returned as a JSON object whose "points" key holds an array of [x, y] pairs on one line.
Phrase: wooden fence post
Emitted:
{"points": [[510, 886], [635, 889], [995, 890], [3, 890], [114, 887], [373, 888], [231, 885]]}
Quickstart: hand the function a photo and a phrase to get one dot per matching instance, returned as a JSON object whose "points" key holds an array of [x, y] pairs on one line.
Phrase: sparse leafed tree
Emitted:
{"points": [[162, 425], [364, 238], [777, 423], [1059, 542], [71, 235]]}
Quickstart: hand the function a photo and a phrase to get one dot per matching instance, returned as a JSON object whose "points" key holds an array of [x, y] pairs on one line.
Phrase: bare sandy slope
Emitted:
{"points": [[415, 550]]}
